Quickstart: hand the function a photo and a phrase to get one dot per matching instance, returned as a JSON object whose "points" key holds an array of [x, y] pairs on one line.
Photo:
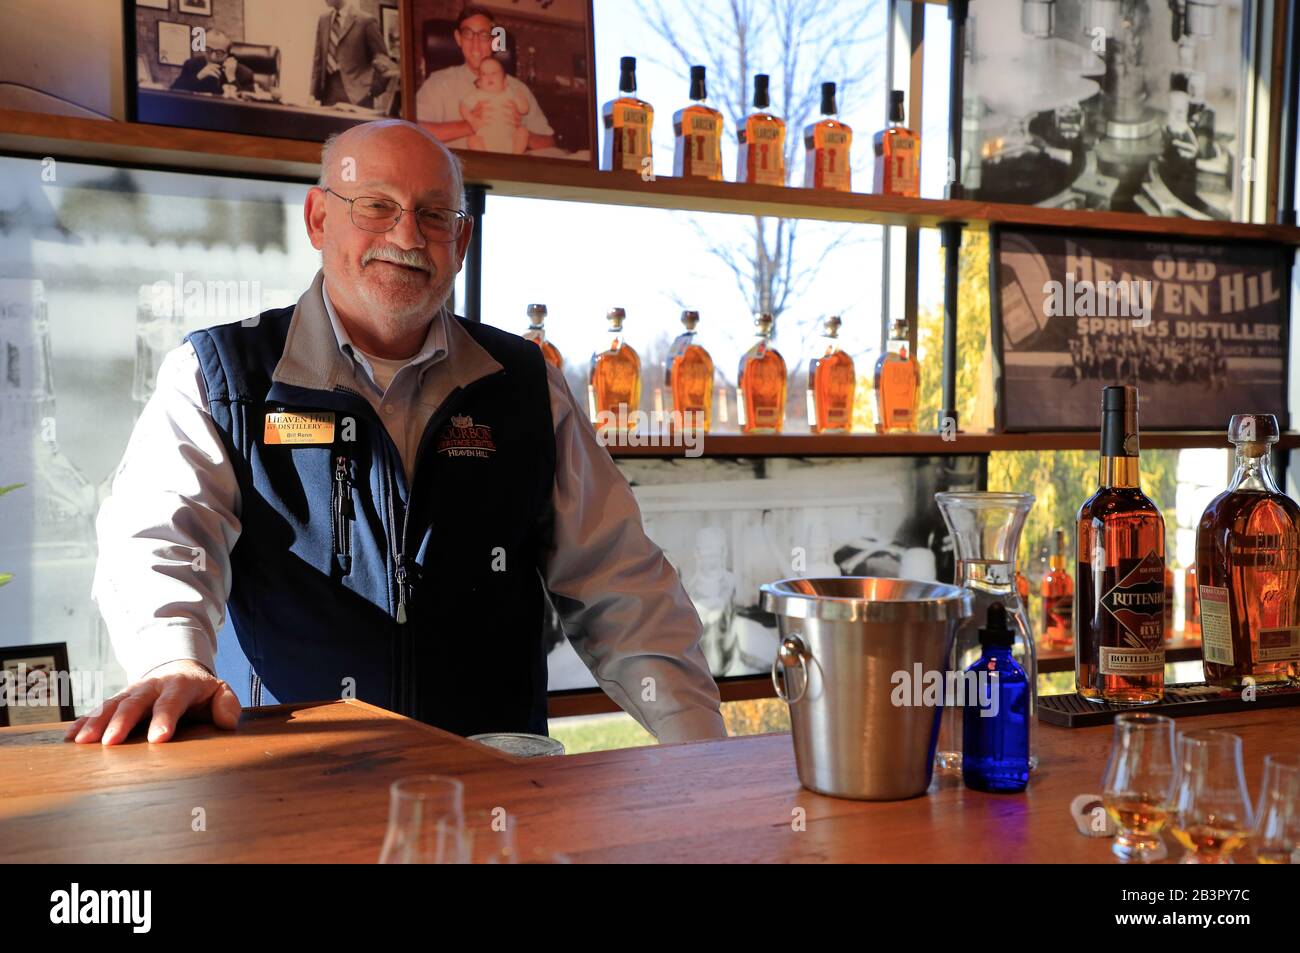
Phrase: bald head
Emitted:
{"points": [[413, 143]]}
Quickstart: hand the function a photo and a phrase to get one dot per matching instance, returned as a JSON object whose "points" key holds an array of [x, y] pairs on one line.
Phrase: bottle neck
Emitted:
{"points": [[1119, 472], [1254, 470]]}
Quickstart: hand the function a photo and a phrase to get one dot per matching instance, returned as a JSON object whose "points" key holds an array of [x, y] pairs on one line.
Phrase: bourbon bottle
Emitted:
{"points": [[614, 389], [830, 385], [688, 377], [1057, 589], [698, 129], [897, 382], [628, 124], [761, 159], [827, 144], [761, 383], [1248, 568], [537, 334], [1119, 603], [898, 154]]}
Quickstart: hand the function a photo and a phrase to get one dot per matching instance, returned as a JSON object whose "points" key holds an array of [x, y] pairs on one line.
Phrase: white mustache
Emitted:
{"points": [[398, 256]]}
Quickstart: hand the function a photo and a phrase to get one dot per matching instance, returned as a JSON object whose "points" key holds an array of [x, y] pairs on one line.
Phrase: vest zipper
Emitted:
{"points": [[342, 511]]}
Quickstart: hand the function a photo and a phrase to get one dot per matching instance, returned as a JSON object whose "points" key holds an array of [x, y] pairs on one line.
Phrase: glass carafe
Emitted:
{"points": [[985, 530]]}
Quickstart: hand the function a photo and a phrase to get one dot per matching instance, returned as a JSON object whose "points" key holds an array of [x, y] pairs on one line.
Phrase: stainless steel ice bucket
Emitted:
{"points": [[852, 647]]}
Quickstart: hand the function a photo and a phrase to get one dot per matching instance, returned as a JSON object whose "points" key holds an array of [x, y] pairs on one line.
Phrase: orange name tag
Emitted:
{"points": [[299, 429]]}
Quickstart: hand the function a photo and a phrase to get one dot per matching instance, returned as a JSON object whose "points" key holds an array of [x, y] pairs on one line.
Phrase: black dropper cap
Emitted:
{"points": [[761, 100], [698, 90], [1119, 421], [828, 99], [995, 633], [627, 74], [896, 105]]}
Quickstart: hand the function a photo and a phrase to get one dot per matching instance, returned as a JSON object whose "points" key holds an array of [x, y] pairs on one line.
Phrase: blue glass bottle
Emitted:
{"points": [[995, 736]]}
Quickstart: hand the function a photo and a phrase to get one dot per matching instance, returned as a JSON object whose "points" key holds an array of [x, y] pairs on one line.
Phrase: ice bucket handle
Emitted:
{"points": [[791, 653]]}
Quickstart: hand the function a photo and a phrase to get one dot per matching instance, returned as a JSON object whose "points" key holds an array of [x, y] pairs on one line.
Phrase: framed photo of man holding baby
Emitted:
{"points": [[503, 76]]}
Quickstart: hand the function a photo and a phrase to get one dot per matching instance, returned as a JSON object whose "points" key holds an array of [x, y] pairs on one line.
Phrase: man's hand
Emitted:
{"points": [[209, 69], [170, 691]]}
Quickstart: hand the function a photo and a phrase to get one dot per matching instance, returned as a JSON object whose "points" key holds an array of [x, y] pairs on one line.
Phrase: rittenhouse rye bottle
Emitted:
{"points": [[628, 123], [698, 128], [827, 144], [537, 334], [761, 382], [1058, 600], [1119, 606], [614, 388], [762, 142], [898, 154], [897, 382], [1248, 568], [688, 377], [830, 384]]}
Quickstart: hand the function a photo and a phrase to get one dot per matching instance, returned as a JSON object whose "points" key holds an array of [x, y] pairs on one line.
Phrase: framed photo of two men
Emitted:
{"points": [[504, 76]]}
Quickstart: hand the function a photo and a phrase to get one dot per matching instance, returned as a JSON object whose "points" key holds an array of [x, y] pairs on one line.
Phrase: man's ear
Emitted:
{"points": [[313, 213]]}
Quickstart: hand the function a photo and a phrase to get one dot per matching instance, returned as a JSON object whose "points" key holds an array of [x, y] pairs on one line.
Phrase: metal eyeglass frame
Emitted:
{"points": [[461, 217]]}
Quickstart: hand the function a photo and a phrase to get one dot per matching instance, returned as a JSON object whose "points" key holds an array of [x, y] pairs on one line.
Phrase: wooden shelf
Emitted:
{"points": [[926, 444], [195, 150]]}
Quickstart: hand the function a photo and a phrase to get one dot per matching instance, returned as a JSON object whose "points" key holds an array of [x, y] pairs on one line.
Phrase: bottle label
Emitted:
{"points": [[812, 409], [740, 407], [1279, 645], [1216, 625], [1121, 661], [1137, 604]]}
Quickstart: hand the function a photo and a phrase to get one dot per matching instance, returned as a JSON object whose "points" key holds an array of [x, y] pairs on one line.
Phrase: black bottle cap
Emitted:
{"points": [[627, 74], [698, 89], [1119, 421], [995, 633], [896, 113], [761, 99], [828, 99]]}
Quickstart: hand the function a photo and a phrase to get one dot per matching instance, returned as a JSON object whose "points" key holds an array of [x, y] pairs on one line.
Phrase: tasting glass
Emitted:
{"points": [[490, 837], [1212, 813], [426, 822], [1139, 785], [1277, 819]]}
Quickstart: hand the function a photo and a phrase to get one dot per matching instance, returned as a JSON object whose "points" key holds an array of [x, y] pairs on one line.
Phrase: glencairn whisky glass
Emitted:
{"points": [[1139, 785], [1277, 819], [1212, 814], [426, 822]]}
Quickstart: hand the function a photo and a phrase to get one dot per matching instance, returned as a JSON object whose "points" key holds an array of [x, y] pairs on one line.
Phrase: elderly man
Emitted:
{"points": [[349, 52], [212, 70], [381, 494]]}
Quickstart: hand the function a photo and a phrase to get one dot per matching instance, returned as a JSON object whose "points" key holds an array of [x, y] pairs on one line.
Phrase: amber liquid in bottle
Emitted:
{"points": [[698, 132], [614, 393], [688, 378], [897, 381], [537, 334], [628, 124], [831, 382], [761, 159], [1248, 568], [760, 397], [1057, 589], [1191, 605], [898, 154], [1120, 586], [827, 145]]}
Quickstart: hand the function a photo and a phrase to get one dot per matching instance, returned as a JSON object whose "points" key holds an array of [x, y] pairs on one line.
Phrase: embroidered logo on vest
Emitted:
{"points": [[463, 438]]}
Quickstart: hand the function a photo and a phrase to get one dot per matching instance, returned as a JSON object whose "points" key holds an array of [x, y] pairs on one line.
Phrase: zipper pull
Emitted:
{"points": [[400, 574], [341, 513]]}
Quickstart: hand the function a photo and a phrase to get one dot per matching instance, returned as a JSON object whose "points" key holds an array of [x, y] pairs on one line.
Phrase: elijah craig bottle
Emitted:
{"points": [[1120, 579]]}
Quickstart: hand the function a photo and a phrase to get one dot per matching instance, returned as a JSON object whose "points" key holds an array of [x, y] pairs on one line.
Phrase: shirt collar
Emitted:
{"points": [[433, 350]]}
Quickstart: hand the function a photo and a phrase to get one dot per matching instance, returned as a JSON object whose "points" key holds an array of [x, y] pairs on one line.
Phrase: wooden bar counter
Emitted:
{"points": [[309, 783]]}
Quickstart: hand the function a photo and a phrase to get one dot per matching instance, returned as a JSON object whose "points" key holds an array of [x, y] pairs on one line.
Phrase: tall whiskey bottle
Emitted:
{"points": [[898, 154], [688, 377], [830, 385], [1248, 568], [762, 141], [897, 382], [698, 129], [1119, 606], [1058, 600], [537, 334], [827, 144], [761, 383], [628, 124], [614, 391]]}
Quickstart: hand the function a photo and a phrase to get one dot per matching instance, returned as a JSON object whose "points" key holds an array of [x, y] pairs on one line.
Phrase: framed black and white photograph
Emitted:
{"points": [[155, 4], [504, 76], [36, 687], [728, 525], [299, 69], [1200, 328]]}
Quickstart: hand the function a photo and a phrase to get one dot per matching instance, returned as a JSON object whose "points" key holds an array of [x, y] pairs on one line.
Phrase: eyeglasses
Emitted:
{"points": [[374, 214], [476, 34], [218, 51]]}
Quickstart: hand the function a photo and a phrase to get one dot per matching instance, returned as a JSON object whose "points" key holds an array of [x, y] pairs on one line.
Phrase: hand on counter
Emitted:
{"points": [[170, 691]]}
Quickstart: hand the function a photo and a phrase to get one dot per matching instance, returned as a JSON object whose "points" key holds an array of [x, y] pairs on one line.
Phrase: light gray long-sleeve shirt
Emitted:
{"points": [[175, 495]]}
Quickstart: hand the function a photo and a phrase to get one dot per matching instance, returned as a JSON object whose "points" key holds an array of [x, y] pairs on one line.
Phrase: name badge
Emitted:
{"points": [[299, 429]]}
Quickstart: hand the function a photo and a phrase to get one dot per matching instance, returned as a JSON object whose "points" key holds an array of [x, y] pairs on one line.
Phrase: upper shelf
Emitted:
{"points": [[197, 150]]}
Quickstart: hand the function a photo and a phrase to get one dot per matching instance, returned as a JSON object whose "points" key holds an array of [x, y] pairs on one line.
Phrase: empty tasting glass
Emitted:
{"points": [[1212, 816], [1277, 820], [1139, 785], [426, 822]]}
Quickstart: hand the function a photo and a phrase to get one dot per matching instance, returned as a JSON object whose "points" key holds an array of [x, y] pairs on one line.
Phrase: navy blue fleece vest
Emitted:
{"points": [[336, 549]]}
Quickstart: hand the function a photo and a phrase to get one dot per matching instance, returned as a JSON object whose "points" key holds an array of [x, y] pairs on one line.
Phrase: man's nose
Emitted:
{"points": [[406, 233]]}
